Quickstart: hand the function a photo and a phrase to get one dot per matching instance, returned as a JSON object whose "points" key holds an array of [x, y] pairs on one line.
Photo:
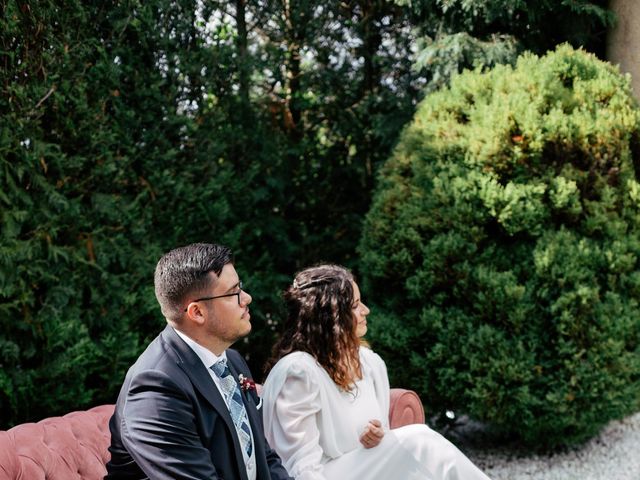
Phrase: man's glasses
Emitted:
{"points": [[240, 290]]}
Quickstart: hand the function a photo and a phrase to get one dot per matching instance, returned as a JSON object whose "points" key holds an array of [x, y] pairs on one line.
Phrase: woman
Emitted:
{"points": [[326, 400]]}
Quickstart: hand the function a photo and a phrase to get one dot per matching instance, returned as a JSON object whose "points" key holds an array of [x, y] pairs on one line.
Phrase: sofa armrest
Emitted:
{"points": [[405, 408]]}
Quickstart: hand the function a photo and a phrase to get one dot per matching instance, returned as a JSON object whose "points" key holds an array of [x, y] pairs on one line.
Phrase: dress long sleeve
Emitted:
{"points": [[291, 403], [374, 367]]}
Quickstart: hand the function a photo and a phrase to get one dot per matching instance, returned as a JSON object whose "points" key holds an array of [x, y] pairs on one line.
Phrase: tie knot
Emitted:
{"points": [[220, 368]]}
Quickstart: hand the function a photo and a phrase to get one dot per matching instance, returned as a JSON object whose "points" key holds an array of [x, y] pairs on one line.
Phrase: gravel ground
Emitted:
{"points": [[613, 455]]}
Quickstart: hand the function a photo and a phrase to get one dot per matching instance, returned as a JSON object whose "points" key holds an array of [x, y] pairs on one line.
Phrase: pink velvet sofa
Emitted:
{"points": [[75, 446]]}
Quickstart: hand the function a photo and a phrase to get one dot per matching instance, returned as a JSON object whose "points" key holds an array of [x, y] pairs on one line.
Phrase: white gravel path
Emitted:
{"points": [[613, 455]]}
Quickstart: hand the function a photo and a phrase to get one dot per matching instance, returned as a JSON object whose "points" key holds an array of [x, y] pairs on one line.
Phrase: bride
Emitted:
{"points": [[326, 399]]}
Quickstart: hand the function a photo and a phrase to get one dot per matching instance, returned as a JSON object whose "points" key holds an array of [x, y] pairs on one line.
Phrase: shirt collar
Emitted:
{"points": [[206, 356]]}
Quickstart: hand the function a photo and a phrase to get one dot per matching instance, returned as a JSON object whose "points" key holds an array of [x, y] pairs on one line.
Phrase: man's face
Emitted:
{"points": [[226, 319]]}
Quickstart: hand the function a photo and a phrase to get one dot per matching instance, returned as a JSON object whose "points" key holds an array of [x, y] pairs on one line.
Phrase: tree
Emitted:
{"points": [[503, 245], [459, 34], [129, 128]]}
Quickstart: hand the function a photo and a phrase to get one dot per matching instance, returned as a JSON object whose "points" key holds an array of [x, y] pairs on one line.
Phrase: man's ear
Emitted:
{"points": [[194, 314]]}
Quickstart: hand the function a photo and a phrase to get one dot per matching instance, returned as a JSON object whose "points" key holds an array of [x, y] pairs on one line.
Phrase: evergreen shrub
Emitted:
{"points": [[502, 249], [103, 169]]}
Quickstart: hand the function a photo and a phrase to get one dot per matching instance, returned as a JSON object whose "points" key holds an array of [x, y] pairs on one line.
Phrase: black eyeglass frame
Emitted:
{"points": [[240, 286]]}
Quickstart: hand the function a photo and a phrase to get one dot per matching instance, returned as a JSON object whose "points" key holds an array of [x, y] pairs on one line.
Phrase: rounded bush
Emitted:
{"points": [[502, 249]]}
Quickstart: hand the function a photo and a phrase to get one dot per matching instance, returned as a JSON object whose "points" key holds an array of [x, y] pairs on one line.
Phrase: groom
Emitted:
{"points": [[183, 411]]}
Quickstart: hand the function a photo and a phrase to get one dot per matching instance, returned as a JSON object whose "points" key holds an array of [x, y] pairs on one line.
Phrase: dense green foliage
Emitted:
{"points": [[106, 163], [457, 34], [128, 128], [503, 248]]}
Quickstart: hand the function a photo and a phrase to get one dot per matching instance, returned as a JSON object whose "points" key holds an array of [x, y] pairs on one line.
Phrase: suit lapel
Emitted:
{"points": [[256, 425], [191, 364], [246, 397]]}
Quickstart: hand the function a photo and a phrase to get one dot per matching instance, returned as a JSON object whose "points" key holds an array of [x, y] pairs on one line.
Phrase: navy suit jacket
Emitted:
{"points": [[171, 422]]}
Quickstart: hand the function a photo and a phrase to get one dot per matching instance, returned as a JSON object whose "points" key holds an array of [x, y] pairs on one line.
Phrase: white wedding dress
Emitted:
{"points": [[315, 427]]}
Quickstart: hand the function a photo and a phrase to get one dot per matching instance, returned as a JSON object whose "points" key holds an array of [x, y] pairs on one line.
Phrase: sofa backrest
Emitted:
{"points": [[58, 448], [75, 446]]}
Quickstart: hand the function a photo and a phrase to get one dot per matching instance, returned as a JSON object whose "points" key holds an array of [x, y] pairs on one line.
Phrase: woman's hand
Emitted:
{"points": [[372, 434]]}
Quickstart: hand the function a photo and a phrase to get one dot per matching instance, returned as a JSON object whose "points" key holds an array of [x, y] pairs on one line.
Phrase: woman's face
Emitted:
{"points": [[360, 311]]}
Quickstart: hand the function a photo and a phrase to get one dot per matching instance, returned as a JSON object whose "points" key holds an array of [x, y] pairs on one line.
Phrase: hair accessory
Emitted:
{"points": [[314, 282]]}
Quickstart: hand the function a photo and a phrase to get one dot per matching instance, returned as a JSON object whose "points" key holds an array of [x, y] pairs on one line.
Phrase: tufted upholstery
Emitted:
{"points": [[76, 446], [58, 448]]}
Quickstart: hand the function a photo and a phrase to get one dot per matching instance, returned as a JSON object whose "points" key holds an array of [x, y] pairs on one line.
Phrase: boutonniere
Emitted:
{"points": [[246, 384]]}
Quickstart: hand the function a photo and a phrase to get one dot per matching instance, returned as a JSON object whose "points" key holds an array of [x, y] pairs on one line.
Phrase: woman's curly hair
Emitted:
{"points": [[320, 321]]}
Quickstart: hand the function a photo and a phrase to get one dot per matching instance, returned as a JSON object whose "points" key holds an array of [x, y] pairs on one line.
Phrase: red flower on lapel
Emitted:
{"points": [[246, 384]]}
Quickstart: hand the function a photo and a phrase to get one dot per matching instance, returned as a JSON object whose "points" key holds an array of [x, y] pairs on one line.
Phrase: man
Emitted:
{"points": [[181, 414]]}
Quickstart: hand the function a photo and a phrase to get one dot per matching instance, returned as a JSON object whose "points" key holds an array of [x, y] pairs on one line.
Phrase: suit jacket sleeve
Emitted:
{"points": [[159, 430], [276, 469]]}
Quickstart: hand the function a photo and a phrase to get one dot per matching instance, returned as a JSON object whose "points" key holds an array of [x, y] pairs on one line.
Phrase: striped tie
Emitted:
{"points": [[232, 394]]}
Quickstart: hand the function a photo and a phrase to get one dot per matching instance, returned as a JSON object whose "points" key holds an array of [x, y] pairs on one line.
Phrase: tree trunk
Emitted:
{"points": [[293, 29], [243, 61], [623, 39], [371, 40]]}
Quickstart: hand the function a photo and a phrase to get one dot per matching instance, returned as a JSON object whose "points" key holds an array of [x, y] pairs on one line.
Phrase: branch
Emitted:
{"points": [[42, 100]]}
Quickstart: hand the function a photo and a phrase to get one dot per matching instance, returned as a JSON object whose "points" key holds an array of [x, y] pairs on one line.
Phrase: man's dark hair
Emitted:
{"points": [[184, 272]]}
